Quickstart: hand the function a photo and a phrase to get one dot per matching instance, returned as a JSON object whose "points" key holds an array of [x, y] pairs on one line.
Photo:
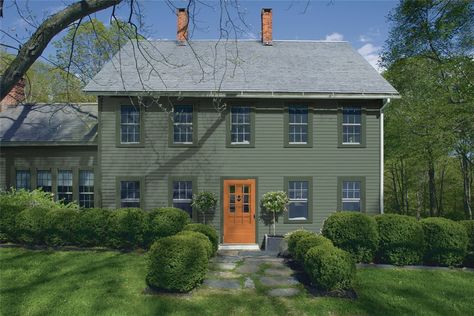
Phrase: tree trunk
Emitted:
{"points": [[40, 39], [432, 188], [394, 188], [466, 171], [441, 190]]}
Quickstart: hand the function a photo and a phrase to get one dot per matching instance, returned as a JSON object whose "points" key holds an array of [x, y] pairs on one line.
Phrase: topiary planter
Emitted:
{"points": [[272, 242]]}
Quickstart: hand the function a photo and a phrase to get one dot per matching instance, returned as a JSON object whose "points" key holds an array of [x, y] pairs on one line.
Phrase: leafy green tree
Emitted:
{"points": [[205, 202]]}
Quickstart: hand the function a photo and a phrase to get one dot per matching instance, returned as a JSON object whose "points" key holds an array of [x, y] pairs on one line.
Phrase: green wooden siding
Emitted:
{"points": [[269, 160]]}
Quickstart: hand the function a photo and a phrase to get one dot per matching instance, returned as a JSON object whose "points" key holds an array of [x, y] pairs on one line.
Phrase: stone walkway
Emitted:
{"points": [[252, 270]]}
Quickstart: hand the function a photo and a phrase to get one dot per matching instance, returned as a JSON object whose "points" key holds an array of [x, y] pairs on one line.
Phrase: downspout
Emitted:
{"points": [[382, 109]]}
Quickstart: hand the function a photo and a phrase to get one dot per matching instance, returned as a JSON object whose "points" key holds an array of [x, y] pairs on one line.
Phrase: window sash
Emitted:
{"points": [[298, 196], [240, 125], [23, 179], [129, 124], [130, 193], [351, 125], [351, 195], [64, 186], [183, 124], [44, 180], [86, 188]]}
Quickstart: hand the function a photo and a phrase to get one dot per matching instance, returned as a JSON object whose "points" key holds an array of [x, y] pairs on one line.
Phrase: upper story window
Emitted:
{"points": [[129, 124], [351, 195], [43, 180], [298, 125], [183, 124], [298, 196], [351, 126], [23, 179], [65, 186], [240, 125], [130, 193], [86, 188], [183, 195]]}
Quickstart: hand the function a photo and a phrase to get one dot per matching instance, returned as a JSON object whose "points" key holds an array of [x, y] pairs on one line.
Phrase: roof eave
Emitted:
{"points": [[249, 94]]}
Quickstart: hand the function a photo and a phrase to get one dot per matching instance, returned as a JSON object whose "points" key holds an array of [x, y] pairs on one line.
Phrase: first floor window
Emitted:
{"points": [[351, 195], [43, 180], [298, 196], [23, 179], [183, 195], [351, 125], [129, 193], [240, 125], [183, 124], [86, 188], [65, 185]]}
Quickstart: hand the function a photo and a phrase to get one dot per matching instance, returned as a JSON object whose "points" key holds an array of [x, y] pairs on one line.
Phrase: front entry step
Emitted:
{"points": [[254, 247]]}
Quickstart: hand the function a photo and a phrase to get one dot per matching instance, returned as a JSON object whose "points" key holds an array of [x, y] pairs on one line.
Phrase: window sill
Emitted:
{"points": [[182, 145], [241, 145], [297, 221], [351, 146], [131, 145], [298, 145]]}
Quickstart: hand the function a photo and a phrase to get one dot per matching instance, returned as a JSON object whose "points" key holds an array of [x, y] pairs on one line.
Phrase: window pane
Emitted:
{"points": [[351, 195], [183, 195], [86, 188], [298, 210], [298, 124], [65, 186], [44, 180], [351, 206], [351, 125], [129, 124], [23, 179], [240, 124], [130, 193], [298, 195], [185, 206], [183, 124]]}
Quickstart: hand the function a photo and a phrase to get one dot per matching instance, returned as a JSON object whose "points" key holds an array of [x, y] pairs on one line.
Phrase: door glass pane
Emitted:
{"points": [[232, 208], [232, 189], [246, 208]]}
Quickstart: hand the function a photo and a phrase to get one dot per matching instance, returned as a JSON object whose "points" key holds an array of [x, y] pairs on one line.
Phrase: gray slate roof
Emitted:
{"points": [[45, 123], [243, 66]]}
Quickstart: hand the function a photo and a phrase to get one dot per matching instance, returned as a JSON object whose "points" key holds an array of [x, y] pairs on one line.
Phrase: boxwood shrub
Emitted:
{"points": [[31, 225], [469, 260], [201, 238], [127, 228], [306, 243], [176, 263], [61, 227], [294, 237], [93, 227], [330, 268], [207, 230], [166, 221], [354, 232], [446, 241], [401, 239]]}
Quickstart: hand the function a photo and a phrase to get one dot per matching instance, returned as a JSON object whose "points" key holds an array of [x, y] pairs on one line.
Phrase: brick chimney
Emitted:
{"points": [[15, 96], [182, 32], [267, 26]]}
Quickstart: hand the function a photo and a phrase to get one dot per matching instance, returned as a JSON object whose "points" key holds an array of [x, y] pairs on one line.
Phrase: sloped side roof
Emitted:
{"points": [[49, 123], [243, 66]]}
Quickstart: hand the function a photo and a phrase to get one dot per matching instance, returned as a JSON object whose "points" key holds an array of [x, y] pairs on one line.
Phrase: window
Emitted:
{"points": [[183, 124], [351, 126], [183, 196], [298, 125], [23, 179], [86, 188], [298, 196], [65, 185], [43, 180], [351, 195], [129, 193], [240, 125], [129, 124]]}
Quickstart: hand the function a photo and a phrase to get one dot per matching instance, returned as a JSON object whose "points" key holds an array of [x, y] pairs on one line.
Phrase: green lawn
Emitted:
{"points": [[112, 283]]}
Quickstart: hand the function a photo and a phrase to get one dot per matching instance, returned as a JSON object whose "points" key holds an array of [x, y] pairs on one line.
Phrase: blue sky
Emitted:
{"points": [[362, 23]]}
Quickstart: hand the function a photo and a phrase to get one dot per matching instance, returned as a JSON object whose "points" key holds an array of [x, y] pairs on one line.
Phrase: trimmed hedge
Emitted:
{"points": [[294, 237], [128, 228], [306, 243], [330, 268], [354, 232], [167, 221], [31, 225], [469, 260], [446, 241], [401, 239], [93, 227], [207, 230], [200, 237], [61, 227], [176, 263]]}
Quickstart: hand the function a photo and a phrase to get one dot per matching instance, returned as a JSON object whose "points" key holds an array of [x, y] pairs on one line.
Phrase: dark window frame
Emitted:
{"points": [[309, 220], [229, 143], [118, 127], [362, 181]]}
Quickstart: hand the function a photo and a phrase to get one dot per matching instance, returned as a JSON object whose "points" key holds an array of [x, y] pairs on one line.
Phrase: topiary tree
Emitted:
{"points": [[207, 230], [274, 204], [204, 202], [166, 221], [304, 244], [294, 237]]}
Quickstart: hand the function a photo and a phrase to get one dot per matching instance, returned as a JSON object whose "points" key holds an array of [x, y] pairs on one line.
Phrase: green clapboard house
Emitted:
{"points": [[239, 119]]}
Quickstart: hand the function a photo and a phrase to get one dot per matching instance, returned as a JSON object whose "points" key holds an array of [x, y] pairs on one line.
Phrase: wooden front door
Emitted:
{"points": [[239, 211]]}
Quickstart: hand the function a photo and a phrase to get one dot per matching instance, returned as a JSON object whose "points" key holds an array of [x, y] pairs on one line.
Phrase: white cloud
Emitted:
{"points": [[364, 38], [334, 37], [371, 54]]}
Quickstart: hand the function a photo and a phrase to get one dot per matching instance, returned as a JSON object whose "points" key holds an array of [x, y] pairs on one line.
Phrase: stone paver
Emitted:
{"points": [[222, 284], [249, 267], [224, 266], [249, 284], [278, 281], [279, 272], [227, 259], [223, 275], [284, 292]]}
